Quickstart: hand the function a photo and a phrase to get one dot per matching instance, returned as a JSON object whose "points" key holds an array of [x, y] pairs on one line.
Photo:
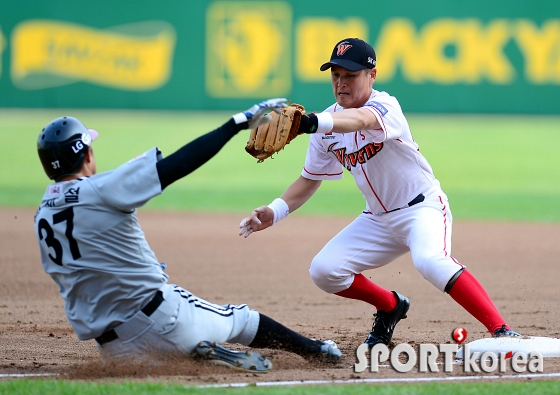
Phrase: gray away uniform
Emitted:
{"points": [[93, 247]]}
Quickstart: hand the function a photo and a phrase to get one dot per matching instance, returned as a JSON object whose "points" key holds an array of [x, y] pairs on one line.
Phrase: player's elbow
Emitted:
{"points": [[361, 122], [364, 119]]}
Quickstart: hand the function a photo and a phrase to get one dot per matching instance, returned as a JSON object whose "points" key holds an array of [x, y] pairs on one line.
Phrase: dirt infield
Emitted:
{"points": [[517, 263]]}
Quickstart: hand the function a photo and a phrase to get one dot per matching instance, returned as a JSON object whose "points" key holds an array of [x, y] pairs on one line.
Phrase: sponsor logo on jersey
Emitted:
{"points": [[378, 106], [54, 190], [360, 156], [342, 47]]}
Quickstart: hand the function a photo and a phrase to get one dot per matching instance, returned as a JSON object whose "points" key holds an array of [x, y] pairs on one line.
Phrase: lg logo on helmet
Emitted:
{"points": [[78, 147]]}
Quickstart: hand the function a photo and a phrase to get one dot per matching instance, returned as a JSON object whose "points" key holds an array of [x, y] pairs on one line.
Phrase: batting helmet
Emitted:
{"points": [[62, 146]]}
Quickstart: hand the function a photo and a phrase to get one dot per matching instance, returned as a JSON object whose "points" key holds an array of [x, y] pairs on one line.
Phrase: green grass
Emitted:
{"points": [[31, 387], [491, 167]]}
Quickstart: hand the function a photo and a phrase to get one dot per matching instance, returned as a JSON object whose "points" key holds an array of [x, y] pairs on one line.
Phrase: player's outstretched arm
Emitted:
{"points": [[194, 154], [345, 121], [293, 198], [299, 192]]}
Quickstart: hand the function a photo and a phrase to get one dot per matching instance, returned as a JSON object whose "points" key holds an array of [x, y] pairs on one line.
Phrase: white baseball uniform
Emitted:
{"points": [[390, 172]]}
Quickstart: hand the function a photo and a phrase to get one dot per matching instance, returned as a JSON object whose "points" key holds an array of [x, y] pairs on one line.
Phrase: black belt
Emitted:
{"points": [[149, 309], [416, 200]]}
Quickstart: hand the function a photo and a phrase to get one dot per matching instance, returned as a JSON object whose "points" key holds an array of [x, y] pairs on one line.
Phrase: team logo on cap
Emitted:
{"points": [[342, 48]]}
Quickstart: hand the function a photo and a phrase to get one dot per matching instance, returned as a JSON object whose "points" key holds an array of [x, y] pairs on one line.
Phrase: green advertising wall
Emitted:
{"points": [[434, 56]]}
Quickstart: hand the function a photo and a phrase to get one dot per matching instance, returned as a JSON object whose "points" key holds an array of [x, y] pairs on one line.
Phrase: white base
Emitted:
{"points": [[547, 346]]}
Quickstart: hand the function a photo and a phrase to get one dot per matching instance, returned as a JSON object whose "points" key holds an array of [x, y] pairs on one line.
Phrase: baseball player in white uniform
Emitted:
{"points": [[366, 133], [114, 289]]}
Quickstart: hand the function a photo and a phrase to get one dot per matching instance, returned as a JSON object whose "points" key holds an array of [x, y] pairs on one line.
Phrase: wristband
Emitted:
{"points": [[240, 118], [280, 209], [325, 122]]}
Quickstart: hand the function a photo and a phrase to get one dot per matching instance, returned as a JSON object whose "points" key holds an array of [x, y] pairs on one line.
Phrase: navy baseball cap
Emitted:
{"points": [[353, 54]]}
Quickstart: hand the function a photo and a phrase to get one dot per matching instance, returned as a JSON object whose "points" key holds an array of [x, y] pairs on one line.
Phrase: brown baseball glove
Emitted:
{"points": [[271, 137]]}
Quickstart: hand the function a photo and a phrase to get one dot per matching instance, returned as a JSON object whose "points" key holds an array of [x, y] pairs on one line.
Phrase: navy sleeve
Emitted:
{"points": [[194, 154]]}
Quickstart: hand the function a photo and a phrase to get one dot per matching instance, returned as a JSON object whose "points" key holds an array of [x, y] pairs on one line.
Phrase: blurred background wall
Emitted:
{"points": [[436, 56]]}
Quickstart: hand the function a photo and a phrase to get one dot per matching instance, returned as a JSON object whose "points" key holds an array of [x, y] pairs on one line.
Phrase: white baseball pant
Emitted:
{"points": [[374, 240]]}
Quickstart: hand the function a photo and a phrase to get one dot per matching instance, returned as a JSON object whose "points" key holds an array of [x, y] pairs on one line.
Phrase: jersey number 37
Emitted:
{"points": [[46, 232]]}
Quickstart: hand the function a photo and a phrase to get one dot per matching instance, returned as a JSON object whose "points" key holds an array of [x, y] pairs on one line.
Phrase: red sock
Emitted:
{"points": [[470, 294], [369, 292]]}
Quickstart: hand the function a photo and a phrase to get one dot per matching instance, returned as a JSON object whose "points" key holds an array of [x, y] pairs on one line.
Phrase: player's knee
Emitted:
{"points": [[324, 276], [319, 273], [436, 268], [427, 265], [422, 262]]}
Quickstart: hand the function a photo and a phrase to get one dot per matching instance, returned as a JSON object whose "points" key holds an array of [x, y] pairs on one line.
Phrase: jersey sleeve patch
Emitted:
{"points": [[378, 106], [55, 189]]}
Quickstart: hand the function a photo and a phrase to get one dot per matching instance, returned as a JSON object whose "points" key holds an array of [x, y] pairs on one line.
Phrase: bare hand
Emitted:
{"points": [[261, 218]]}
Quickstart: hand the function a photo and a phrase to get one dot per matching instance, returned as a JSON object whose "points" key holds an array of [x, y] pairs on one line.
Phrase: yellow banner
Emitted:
{"points": [[445, 51], [315, 39], [131, 57]]}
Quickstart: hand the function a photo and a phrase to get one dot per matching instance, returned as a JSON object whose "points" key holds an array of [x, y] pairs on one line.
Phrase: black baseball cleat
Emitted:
{"points": [[504, 332], [385, 322]]}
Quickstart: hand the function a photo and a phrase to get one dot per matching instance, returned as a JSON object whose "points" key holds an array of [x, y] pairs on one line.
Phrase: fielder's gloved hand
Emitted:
{"points": [[255, 116]]}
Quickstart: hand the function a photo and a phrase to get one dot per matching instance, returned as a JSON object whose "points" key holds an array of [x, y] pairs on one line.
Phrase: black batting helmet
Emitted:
{"points": [[62, 146]]}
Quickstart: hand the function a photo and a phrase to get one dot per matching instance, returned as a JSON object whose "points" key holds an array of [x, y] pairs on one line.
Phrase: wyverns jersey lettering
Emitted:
{"points": [[386, 163], [101, 287]]}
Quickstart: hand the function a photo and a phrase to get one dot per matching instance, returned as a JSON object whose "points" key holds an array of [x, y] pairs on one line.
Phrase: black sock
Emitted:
{"points": [[274, 335]]}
